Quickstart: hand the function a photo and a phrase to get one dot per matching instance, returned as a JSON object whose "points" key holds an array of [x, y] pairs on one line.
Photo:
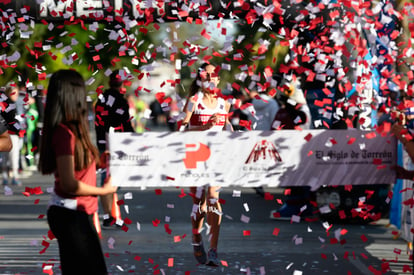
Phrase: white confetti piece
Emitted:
{"points": [[299, 241], [8, 191], [111, 242], [244, 219], [246, 207], [236, 193], [126, 208], [295, 218]]}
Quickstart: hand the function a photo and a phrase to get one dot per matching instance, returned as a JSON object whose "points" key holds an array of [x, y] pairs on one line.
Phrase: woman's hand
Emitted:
{"points": [[108, 187], [213, 120], [104, 160], [399, 131], [403, 173]]}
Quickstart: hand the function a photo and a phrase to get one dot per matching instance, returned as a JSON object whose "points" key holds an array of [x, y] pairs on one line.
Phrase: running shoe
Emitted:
{"points": [[199, 252], [212, 258], [110, 222]]}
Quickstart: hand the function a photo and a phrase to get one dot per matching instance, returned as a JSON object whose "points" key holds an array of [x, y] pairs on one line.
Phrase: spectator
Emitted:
{"points": [[67, 151], [261, 117], [111, 112], [10, 160], [292, 114]]}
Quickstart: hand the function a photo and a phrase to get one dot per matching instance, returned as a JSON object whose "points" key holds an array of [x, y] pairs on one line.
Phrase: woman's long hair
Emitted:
{"points": [[196, 84], [66, 104]]}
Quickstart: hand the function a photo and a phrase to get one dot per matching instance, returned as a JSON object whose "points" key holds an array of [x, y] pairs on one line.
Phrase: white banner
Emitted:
{"points": [[254, 158]]}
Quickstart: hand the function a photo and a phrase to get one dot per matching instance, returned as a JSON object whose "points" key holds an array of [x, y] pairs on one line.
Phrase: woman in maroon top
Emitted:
{"points": [[67, 151]]}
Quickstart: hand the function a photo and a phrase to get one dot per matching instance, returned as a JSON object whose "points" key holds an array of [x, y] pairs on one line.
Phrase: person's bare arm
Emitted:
{"points": [[5, 142], [70, 185], [402, 134], [227, 125]]}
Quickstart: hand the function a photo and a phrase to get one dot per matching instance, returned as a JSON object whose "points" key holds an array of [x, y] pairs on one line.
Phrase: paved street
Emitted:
{"points": [[159, 235]]}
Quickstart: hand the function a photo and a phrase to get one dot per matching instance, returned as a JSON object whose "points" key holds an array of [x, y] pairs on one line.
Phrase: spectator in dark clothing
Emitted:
{"points": [[111, 111]]}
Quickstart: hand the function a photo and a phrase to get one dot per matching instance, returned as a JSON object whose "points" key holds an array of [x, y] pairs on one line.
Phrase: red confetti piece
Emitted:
{"points": [[346, 255], [276, 231], [120, 202], [170, 262], [370, 135], [125, 228], [46, 246], [41, 216], [167, 228], [407, 268], [158, 191], [308, 137], [36, 201], [323, 256], [127, 221], [224, 263], [246, 232], [333, 241], [268, 196], [377, 161], [351, 140], [156, 222], [137, 258], [364, 238], [50, 235], [182, 194]]}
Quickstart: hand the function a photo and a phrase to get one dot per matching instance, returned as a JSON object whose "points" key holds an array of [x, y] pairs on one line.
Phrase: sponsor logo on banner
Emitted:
{"points": [[263, 150], [196, 153], [263, 157]]}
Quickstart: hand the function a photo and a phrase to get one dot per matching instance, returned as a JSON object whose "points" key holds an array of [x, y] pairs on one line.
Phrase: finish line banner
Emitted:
{"points": [[255, 158]]}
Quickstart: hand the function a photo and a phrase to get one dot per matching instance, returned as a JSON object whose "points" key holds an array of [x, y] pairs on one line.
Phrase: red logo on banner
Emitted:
{"points": [[196, 153], [263, 150]]}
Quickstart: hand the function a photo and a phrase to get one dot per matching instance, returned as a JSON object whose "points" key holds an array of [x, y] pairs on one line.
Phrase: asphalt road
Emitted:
{"points": [[158, 238]]}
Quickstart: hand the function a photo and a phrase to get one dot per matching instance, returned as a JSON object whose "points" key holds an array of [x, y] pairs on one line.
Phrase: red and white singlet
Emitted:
{"points": [[202, 114]]}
